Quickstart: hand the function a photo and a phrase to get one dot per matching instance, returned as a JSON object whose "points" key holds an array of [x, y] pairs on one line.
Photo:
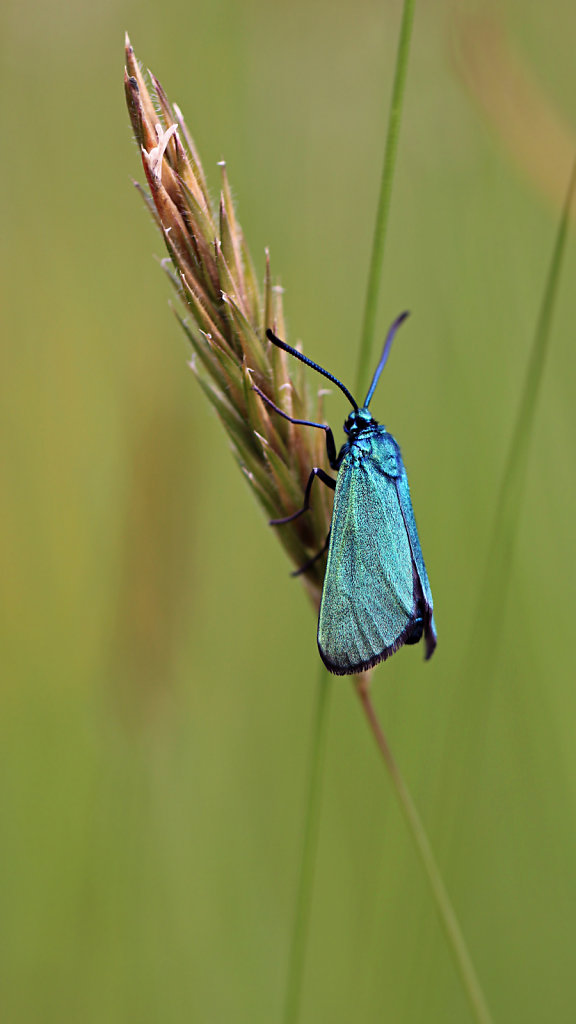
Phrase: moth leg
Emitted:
{"points": [[330, 444], [316, 472], [311, 561]]}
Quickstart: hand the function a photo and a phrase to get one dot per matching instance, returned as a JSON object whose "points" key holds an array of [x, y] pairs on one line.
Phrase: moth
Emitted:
{"points": [[376, 595]]}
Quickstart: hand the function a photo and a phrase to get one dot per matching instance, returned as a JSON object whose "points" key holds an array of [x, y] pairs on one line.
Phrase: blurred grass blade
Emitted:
{"points": [[511, 496], [382, 211], [530, 126], [448, 919], [308, 851], [472, 718]]}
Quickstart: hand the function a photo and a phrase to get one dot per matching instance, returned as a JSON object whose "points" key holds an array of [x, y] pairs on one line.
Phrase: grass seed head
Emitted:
{"points": [[225, 318]]}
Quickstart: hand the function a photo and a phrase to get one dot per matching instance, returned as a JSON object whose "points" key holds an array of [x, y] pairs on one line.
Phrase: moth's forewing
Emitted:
{"points": [[369, 602]]}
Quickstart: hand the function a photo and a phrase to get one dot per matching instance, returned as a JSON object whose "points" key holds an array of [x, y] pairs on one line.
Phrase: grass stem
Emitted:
{"points": [[481, 660], [511, 496], [444, 906], [382, 212], [300, 928]]}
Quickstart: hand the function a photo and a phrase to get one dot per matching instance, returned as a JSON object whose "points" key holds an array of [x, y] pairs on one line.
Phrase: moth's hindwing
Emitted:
{"points": [[410, 523]]}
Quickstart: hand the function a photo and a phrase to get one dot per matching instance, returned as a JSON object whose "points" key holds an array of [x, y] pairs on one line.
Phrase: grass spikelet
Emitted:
{"points": [[225, 319]]}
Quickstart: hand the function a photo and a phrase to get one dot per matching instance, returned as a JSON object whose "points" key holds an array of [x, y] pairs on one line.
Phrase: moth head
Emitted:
{"points": [[358, 420]]}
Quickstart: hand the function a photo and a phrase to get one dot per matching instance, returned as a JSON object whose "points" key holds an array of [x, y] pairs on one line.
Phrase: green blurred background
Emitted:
{"points": [[159, 666]]}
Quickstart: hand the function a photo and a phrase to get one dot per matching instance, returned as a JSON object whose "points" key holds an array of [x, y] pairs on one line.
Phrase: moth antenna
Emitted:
{"points": [[384, 357], [319, 369]]}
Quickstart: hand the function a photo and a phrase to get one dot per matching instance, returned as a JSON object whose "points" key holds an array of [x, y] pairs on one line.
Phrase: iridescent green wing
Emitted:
{"points": [[369, 602]]}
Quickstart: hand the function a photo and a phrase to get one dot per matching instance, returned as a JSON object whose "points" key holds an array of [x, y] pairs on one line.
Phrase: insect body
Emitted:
{"points": [[376, 595]]}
